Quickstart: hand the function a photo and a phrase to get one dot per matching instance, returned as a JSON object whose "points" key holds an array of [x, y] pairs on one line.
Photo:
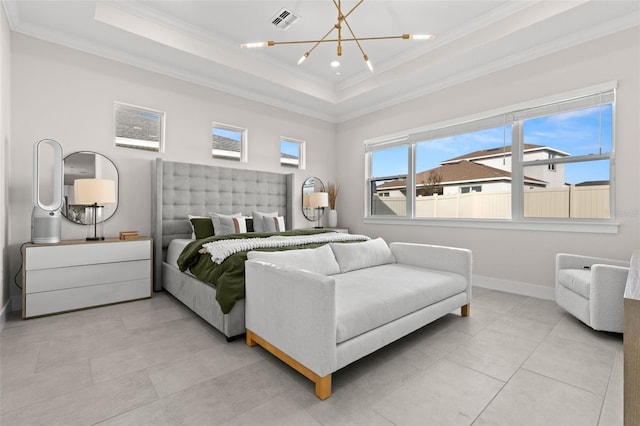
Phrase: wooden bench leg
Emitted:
{"points": [[323, 384], [323, 387], [465, 310], [250, 341]]}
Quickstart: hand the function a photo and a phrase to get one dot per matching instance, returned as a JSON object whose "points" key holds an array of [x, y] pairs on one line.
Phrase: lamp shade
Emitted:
{"points": [[319, 199], [98, 191]]}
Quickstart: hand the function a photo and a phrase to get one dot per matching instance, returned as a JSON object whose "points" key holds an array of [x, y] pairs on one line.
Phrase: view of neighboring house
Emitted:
{"points": [[486, 170], [225, 147], [289, 160]]}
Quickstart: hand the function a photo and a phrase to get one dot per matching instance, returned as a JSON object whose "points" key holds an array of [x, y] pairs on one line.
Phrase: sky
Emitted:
{"points": [[576, 133], [226, 133]]}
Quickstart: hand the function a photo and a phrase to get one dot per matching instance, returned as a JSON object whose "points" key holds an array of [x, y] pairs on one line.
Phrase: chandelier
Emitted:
{"points": [[342, 19]]}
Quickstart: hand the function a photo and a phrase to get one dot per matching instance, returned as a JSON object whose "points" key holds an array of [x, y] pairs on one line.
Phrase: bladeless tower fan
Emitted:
{"points": [[45, 218]]}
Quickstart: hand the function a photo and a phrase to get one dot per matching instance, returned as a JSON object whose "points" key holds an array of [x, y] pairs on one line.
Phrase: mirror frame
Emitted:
{"points": [[310, 185], [85, 170]]}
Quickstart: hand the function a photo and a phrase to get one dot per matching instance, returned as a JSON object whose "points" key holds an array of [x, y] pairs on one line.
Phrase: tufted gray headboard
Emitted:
{"points": [[181, 189]]}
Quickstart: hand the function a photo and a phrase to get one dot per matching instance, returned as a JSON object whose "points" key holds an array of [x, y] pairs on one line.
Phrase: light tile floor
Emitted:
{"points": [[514, 361]]}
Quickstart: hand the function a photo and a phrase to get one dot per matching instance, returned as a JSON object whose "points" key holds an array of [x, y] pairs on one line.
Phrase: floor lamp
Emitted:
{"points": [[94, 193]]}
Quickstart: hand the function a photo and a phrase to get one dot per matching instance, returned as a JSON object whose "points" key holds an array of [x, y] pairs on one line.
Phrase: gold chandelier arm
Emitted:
{"points": [[273, 43], [317, 43], [343, 17], [364, 55], [339, 27], [354, 36], [352, 9], [329, 40]]}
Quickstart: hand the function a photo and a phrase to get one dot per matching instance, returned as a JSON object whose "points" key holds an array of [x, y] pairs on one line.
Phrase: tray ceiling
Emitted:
{"points": [[199, 41]]}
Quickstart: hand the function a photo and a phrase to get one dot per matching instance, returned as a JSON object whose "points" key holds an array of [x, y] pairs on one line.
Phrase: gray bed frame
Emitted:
{"points": [[182, 189]]}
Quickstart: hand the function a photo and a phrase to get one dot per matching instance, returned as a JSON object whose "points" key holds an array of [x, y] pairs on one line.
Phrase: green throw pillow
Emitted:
{"points": [[202, 227]]}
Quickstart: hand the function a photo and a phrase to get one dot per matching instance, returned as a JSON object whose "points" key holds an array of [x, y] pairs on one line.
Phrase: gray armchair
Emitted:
{"points": [[592, 290]]}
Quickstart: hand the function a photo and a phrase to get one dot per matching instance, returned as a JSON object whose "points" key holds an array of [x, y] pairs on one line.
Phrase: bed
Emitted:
{"points": [[182, 189], [216, 292]]}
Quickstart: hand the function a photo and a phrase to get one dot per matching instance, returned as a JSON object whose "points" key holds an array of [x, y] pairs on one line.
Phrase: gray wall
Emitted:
{"points": [[514, 256]]}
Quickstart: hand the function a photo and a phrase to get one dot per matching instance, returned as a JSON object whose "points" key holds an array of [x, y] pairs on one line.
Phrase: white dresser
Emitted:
{"points": [[79, 274]]}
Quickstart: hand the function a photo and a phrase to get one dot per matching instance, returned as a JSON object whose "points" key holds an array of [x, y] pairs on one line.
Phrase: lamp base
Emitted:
{"points": [[93, 218]]}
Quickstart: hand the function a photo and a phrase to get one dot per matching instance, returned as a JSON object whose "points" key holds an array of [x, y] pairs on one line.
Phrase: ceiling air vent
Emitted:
{"points": [[284, 19]]}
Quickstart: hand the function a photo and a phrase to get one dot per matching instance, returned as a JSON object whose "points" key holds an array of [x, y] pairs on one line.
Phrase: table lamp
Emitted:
{"points": [[318, 200], [94, 193]]}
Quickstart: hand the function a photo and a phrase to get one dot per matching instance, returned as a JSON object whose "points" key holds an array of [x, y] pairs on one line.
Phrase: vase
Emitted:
{"points": [[332, 219]]}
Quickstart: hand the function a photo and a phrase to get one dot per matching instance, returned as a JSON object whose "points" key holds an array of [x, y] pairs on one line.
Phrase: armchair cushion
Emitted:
{"points": [[576, 280]]}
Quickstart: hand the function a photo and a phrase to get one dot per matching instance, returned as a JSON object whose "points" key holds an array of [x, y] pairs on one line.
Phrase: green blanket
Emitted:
{"points": [[228, 277]]}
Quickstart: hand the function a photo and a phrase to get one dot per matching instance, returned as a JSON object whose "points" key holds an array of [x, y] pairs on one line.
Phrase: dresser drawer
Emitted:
{"points": [[59, 256], [39, 280], [83, 297]]}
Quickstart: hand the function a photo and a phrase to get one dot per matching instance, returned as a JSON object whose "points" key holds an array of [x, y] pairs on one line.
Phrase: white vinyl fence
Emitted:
{"points": [[566, 202]]}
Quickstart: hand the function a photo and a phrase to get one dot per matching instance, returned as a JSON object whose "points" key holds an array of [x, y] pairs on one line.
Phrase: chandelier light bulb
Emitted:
{"points": [[257, 44], [369, 64], [303, 57], [422, 36]]}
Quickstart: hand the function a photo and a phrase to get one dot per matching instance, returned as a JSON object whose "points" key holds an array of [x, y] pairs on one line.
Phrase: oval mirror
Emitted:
{"points": [[310, 186], [86, 165]]}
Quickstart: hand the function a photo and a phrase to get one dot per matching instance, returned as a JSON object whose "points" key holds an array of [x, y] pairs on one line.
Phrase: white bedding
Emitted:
{"points": [[175, 248], [221, 249]]}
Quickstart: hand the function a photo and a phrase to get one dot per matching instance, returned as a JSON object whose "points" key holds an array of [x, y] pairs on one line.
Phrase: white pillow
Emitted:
{"points": [[215, 218], [232, 225], [351, 256], [258, 218], [319, 260], [273, 224]]}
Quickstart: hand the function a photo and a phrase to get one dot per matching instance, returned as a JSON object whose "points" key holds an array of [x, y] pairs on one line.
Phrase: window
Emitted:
{"points": [[389, 170], [581, 141], [137, 127], [292, 153], [549, 159], [551, 166], [468, 158], [229, 142], [468, 189]]}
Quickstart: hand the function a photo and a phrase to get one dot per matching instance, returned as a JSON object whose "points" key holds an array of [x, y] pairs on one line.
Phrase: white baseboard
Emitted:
{"points": [[508, 286]]}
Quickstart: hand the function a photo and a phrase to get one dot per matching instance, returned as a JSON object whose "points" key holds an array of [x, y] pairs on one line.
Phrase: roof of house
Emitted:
{"points": [[290, 156], [499, 151], [225, 144], [461, 171]]}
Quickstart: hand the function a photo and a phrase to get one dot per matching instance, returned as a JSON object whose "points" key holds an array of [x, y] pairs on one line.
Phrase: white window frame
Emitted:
{"points": [[501, 116], [243, 156], [302, 153]]}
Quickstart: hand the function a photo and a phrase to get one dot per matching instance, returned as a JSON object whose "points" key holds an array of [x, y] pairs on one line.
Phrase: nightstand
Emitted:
{"points": [[77, 274], [343, 230]]}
